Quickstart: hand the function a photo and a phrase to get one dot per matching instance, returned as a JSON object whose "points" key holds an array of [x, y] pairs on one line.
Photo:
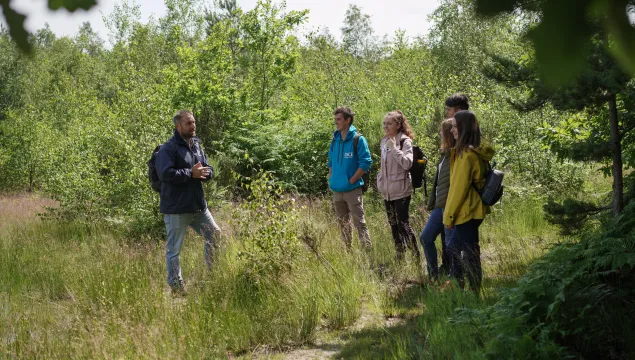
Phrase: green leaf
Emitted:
{"points": [[15, 21], [494, 7], [562, 40], [619, 26], [71, 5]]}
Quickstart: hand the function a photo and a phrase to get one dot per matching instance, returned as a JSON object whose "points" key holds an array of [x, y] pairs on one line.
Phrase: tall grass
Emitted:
{"points": [[70, 291], [514, 235]]}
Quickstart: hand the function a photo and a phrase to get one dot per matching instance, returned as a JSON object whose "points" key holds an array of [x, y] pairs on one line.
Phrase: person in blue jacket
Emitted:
{"points": [[346, 167], [182, 168]]}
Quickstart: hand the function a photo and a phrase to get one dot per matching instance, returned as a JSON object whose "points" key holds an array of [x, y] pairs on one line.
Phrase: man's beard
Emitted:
{"points": [[188, 135]]}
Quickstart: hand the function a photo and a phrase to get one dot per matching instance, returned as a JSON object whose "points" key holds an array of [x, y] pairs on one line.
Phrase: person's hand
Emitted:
{"points": [[350, 181], [199, 171], [390, 143], [449, 227]]}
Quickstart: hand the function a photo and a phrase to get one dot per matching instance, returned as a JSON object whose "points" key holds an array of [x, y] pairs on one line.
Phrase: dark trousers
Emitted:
{"points": [[402, 234], [467, 241]]}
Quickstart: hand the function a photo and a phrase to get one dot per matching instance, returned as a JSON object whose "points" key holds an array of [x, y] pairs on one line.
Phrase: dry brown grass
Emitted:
{"points": [[22, 207]]}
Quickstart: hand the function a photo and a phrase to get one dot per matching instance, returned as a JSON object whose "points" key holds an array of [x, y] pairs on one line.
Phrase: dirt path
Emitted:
{"points": [[329, 346]]}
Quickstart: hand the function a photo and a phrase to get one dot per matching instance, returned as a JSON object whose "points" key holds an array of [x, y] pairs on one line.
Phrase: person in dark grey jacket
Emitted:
{"points": [[440, 190], [182, 168], [436, 203]]}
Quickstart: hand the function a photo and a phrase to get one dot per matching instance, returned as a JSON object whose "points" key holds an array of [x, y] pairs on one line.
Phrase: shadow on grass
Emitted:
{"points": [[424, 315], [402, 340]]}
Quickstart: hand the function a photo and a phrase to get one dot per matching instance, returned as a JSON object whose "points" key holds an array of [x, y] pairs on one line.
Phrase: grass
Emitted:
{"points": [[71, 291], [510, 239]]}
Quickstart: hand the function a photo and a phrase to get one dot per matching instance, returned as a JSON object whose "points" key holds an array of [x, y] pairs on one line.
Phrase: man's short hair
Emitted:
{"points": [[180, 115], [346, 111], [458, 99]]}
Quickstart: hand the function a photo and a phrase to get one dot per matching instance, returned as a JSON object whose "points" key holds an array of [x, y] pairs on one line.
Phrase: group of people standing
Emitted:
{"points": [[456, 209]]}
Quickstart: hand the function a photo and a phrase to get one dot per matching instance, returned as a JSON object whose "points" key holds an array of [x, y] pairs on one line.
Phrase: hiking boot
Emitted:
{"points": [[179, 289]]}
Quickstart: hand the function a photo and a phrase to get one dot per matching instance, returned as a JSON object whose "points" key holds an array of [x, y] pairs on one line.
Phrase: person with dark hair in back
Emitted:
{"points": [[464, 210], [347, 164], [456, 102], [182, 168]]}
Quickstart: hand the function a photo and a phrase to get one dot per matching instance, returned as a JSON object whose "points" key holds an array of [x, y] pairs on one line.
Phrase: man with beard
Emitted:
{"points": [[182, 168]]}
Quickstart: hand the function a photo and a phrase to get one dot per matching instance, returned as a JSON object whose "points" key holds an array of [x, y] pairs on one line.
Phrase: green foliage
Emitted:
{"points": [[598, 118], [10, 69], [357, 34], [225, 9], [271, 50], [267, 223], [571, 214], [577, 301], [16, 20], [563, 33], [263, 100]]}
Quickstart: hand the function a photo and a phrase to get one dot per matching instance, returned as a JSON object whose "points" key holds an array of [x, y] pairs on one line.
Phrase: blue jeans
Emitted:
{"points": [[433, 228], [176, 226], [467, 241]]}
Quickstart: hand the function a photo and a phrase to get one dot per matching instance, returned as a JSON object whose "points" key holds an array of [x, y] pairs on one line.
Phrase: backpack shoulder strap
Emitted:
{"points": [[355, 142], [487, 170], [401, 144]]}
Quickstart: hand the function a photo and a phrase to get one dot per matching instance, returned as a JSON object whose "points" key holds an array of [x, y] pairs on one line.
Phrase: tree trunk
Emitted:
{"points": [[616, 147]]}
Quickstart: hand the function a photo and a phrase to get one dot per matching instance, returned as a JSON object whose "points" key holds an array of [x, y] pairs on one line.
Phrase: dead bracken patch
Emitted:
{"points": [[19, 208]]}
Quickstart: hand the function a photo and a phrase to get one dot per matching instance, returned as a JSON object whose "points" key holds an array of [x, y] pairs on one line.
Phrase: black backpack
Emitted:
{"points": [[418, 168], [153, 177], [492, 191]]}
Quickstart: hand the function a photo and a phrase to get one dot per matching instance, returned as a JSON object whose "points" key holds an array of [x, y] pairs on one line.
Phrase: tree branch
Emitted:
{"points": [[627, 130]]}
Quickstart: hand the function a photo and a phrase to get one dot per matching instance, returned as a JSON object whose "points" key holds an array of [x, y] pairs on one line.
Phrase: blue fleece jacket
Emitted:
{"points": [[344, 162]]}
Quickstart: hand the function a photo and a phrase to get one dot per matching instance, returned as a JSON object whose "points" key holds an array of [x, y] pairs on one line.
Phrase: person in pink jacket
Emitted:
{"points": [[393, 180]]}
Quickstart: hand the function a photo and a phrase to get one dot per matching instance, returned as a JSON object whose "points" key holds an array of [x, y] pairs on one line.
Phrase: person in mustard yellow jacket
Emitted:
{"points": [[464, 210]]}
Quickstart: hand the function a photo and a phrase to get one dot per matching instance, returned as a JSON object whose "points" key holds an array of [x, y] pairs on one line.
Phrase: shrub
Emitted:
{"points": [[266, 223], [578, 300]]}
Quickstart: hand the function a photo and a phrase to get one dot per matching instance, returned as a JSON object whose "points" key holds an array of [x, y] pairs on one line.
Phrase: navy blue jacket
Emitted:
{"points": [[179, 192]]}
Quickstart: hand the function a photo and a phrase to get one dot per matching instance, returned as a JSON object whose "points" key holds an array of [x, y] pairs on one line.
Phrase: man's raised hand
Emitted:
{"points": [[199, 171]]}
